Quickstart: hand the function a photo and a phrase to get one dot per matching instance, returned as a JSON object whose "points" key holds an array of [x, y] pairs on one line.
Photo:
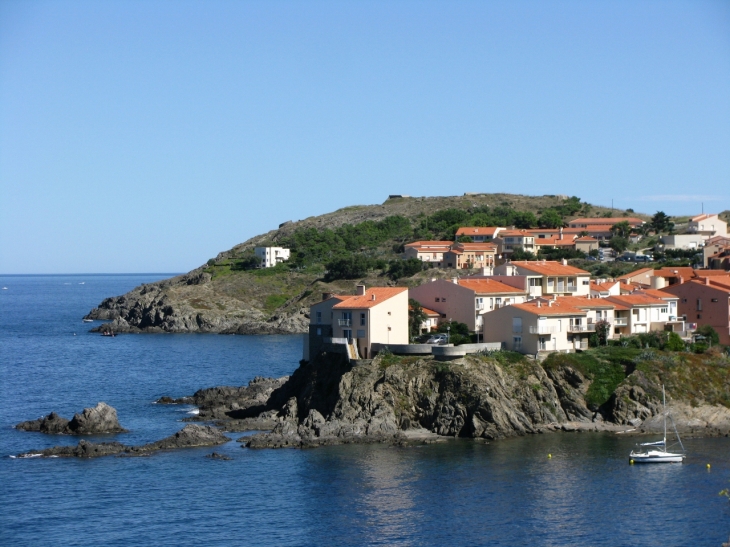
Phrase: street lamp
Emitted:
{"points": [[448, 334]]}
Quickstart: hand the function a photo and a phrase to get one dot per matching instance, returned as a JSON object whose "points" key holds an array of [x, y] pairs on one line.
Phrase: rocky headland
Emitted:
{"points": [[404, 400], [102, 419]]}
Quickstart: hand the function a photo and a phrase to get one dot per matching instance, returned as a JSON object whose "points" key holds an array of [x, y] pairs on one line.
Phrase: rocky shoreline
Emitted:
{"points": [[402, 401], [331, 401]]}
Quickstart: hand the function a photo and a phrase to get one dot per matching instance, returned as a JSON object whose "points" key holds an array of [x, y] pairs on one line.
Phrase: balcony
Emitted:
{"points": [[479, 306], [621, 322], [580, 327], [344, 322], [572, 288], [543, 330]]}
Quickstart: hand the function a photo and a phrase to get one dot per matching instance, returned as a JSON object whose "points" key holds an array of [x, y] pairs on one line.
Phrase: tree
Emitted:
{"points": [[350, 267], [603, 327], [416, 317], [709, 333], [518, 253], [621, 229], [465, 239], [674, 342], [618, 243], [458, 332], [404, 268], [593, 253], [550, 218], [661, 222]]}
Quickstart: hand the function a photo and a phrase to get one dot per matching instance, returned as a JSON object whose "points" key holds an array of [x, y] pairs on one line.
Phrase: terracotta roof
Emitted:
{"points": [[586, 238], [711, 273], [635, 299], [635, 273], [515, 233], [477, 230], [488, 286], [549, 267], [602, 286], [554, 307], [703, 217], [430, 312], [630, 287], [676, 271], [583, 302], [366, 301], [656, 293], [476, 246], [566, 230]]}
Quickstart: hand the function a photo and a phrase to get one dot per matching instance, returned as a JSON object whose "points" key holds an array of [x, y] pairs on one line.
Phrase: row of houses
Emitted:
{"points": [[530, 307]]}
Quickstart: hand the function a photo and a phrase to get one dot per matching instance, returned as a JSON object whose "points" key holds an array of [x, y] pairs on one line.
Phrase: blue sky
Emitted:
{"points": [[143, 136]]}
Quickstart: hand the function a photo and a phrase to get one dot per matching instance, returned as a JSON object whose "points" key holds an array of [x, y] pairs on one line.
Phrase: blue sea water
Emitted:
{"points": [[458, 493]]}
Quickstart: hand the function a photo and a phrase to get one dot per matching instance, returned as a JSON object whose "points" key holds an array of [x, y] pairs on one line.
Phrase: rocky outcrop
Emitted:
{"points": [[328, 401], [193, 303], [190, 436], [102, 419], [225, 402]]}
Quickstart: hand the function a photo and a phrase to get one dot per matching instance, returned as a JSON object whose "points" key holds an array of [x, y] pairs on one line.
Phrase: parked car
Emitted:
{"points": [[438, 339]]}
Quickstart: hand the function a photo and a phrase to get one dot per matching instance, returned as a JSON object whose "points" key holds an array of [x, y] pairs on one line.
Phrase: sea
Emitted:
{"points": [[457, 493]]}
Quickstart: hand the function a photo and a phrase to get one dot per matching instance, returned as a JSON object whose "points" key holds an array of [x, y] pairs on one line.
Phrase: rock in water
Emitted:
{"points": [[188, 437], [101, 419]]}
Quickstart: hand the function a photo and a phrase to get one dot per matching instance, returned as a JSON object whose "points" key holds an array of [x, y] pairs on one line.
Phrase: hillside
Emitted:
{"points": [[224, 296]]}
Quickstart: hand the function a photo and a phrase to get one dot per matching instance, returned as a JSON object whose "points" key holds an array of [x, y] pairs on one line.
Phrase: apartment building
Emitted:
{"points": [[642, 312], [548, 277], [509, 240], [271, 256], [428, 251], [466, 300], [705, 301], [479, 234], [470, 255]]}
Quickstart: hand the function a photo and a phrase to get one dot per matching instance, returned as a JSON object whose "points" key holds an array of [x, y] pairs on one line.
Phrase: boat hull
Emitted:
{"points": [[656, 456]]}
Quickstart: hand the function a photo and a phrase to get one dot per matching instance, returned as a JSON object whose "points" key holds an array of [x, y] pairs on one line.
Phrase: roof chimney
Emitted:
{"points": [[455, 280], [707, 280], [565, 261], [361, 290], [373, 298], [555, 297], [538, 303], [561, 232], [550, 303]]}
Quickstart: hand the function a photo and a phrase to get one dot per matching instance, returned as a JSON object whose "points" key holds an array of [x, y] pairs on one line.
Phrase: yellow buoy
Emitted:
{"points": [[550, 456], [631, 462], [708, 466]]}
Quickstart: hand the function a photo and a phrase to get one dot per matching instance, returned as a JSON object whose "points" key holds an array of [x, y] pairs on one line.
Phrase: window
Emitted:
{"points": [[663, 310], [360, 333], [438, 299], [699, 304], [699, 316], [443, 300], [586, 282], [319, 332], [362, 321], [319, 317], [684, 300], [388, 313], [517, 324], [517, 343], [714, 300]]}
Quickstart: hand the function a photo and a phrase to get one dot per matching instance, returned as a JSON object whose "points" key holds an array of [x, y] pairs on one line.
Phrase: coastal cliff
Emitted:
{"points": [[408, 399]]}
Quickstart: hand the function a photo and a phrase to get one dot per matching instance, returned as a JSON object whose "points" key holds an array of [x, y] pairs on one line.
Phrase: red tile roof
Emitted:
{"points": [[635, 299], [477, 230], [430, 244], [366, 301], [488, 286], [549, 267], [554, 307], [640, 271]]}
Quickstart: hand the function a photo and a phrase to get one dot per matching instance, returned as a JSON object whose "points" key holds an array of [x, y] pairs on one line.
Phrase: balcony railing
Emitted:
{"points": [[344, 322], [580, 327], [479, 306], [572, 288], [543, 330], [621, 322]]}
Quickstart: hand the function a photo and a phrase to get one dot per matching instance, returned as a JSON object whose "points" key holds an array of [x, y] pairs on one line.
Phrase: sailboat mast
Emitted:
{"points": [[664, 402]]}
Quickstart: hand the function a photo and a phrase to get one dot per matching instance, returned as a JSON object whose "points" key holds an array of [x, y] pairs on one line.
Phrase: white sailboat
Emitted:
{"points": [[656, 452]]}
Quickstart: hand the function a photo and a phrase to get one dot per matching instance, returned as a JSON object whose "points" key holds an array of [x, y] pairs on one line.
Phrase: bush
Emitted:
{"points": [[674, 342], [404, 268], [350, 267], [709, 333]]}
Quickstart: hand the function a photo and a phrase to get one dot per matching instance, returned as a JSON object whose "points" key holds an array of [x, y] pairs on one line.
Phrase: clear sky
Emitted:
{"points": [[147, 136]]}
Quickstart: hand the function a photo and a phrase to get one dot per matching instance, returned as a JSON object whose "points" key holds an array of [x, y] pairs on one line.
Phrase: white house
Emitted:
{"points": [[271, 256]]}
